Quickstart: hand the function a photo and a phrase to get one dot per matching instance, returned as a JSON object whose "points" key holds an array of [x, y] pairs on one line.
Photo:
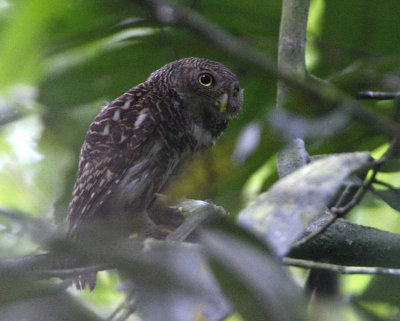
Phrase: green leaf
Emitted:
{"points": [[391, 196], [391, 165], [383, 288], [175, 284], [23, 41], [256, 284], [23, 298], [280, 215]]}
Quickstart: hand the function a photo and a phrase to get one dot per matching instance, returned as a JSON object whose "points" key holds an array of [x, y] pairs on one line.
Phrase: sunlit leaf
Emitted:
{"points": [[23, 41], [281, 214]]}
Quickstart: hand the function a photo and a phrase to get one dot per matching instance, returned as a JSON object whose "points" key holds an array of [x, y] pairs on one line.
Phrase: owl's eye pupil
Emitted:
{"points": [[206, 80]]}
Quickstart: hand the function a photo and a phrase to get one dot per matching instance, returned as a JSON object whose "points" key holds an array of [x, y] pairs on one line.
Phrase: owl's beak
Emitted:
{"points": [[222, 101]]}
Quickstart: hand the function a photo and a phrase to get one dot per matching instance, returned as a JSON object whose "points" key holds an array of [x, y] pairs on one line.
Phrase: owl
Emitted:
{"points": [[141, 139]]}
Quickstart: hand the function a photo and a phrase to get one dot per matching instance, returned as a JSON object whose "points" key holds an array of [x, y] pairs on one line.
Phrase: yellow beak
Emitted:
{"points": [[222, 102]]}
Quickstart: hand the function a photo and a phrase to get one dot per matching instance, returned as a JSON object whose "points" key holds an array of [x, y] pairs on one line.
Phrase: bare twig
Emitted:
{"points": [[378, 182], [377, 95], [337, 212], [341, 211], [68, 273], [317, 232], [340, 268]]}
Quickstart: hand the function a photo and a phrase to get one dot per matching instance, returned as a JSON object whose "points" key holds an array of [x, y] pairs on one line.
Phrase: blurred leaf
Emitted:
{"points": [[256, 284], [23, 298], [391, 196], [292, 126], [281, 214], [383, 289], [334, 310], [50, 306], [377, 73], [248, 141], [177, 286], [390, 165], [254, 184], [8, 117], [23, 41], [367, 20]]}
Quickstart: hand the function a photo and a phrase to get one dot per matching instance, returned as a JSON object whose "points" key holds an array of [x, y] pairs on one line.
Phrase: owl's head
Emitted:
{"points": [[210, 92]]}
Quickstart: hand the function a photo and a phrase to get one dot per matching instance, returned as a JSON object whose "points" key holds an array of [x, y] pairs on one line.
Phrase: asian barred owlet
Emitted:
{"points": [[139, 140]]}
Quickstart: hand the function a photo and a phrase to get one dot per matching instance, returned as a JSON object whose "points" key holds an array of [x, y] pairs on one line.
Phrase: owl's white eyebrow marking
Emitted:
{"points": [[142, 116], [106, 130], [117, 115], [127, 105]]}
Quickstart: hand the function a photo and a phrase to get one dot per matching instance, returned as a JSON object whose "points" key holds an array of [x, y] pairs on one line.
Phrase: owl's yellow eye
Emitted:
{"points": [[206, 80]]}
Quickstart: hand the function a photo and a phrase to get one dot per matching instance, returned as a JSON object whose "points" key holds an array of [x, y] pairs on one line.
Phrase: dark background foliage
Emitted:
{"points": [[61, 61]]}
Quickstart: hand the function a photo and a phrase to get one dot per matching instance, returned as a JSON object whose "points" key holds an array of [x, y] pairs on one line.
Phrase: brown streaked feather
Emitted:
{"points": [[140, 140], [106, 155]]}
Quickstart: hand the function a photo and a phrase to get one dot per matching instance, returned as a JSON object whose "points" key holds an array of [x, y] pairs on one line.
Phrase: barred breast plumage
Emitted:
{"points": [[141, 138]]}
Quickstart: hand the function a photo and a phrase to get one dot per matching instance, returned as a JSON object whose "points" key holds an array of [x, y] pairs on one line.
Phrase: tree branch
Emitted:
{"points": [[292, 44], [346, 243], [343, 243]]}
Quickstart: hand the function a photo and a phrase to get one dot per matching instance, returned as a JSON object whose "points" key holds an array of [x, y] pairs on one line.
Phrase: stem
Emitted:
{"points": [[340, 268], [291, 54], [292, 44], [377, 95]]}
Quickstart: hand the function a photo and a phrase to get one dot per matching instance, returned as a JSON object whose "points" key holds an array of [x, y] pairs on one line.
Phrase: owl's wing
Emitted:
{"points": [[114, 142]]}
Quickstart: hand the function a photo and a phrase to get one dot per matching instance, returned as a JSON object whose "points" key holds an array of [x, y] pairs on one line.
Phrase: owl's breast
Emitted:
{"points": [[147, 176]]}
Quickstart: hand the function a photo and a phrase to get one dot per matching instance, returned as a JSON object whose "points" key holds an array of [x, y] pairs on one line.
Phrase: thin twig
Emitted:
{"points": [[341, 211], [67, 273], [377, 95], [378, 182], [340, 268], [292, 44], [337, 212], [314, 234]]}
